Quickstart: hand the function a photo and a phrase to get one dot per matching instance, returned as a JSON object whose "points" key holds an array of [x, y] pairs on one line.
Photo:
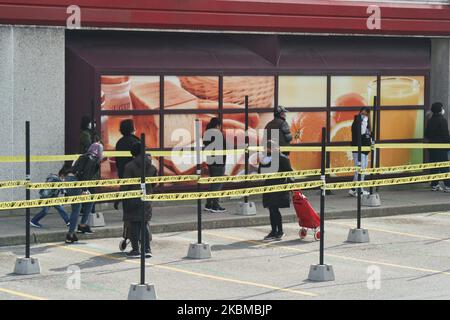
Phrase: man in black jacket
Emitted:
{"points": [[124, 144], [280, 124], [437, 132]]}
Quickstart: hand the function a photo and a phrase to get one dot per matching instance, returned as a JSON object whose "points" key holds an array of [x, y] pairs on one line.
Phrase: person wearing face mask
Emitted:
{"points": [[284, 136], [437, 132], [271, 162], [366, 140]]}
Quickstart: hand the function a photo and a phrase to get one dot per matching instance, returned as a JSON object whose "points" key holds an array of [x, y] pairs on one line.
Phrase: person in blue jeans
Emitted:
{"points": [[84, 169], [52, 193]]}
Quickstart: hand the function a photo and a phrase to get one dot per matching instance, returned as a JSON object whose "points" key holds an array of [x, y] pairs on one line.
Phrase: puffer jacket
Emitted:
{"points": [[132, 208]]}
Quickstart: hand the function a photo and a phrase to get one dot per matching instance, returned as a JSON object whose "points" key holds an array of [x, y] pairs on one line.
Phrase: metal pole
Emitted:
{"points": [[358, 122], [198, 159], [27, 191], [143, 226], [322, 195], [374, 125], [246, 144]]}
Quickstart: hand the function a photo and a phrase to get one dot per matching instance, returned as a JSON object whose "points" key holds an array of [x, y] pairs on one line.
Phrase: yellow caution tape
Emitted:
{"points": [[159, 153], [318, 148], [12, 184], [9, 205], [412, 145], [110, 182], [232, 193], [386, 182], [277, 175], [410, 167], [218, 194]]}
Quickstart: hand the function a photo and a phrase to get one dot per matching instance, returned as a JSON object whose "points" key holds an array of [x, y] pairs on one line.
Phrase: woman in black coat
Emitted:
{"points": [[275, 161], [132, 208]]}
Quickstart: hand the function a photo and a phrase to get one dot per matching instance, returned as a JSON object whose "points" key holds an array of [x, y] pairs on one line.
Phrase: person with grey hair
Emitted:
{"points": [[437, 132]]}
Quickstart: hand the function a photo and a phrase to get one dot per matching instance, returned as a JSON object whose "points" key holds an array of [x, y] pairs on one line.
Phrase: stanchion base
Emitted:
{"points": [[371, 200], [246, 209], [358, 235], [321, 272], [199, 251], [142, 292], [27, 266], [96, 220]]}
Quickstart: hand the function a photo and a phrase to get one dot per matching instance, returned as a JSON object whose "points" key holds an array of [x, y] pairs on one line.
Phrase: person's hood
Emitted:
{"points": [[96, 149]]}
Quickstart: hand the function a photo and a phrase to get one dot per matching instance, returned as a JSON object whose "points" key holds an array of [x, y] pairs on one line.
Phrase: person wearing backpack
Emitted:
{"points": [[52, 193], [132, 208], [84, 169]]}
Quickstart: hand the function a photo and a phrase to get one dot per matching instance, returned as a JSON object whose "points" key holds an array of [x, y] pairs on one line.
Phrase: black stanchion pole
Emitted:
{"points": [[27, 191], [322, 195], [199, 172], [358, 122], [143, 226], [246, 144], [373, 134]]}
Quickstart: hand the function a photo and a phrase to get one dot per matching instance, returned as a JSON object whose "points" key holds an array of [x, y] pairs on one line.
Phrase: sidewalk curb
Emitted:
{"points": [[229, 222]]}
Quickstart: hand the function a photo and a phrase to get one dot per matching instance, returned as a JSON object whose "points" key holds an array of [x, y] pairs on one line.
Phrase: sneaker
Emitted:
{"points": [[218, 209], [85, 229], [35, 224], [133, 254], [436, 188], [208, 208], [353, 193], [279, 236], [270, 236], [447, 189], [71, 238], [148, 253], [68, 224]]}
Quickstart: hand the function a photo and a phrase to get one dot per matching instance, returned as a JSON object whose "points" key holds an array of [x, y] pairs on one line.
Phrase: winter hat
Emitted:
{"points": [[437, 107], [96, 149]]}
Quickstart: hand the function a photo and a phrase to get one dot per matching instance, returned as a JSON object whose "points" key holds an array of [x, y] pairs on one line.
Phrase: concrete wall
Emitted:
{"points": [[440, 72], [32, 86]]}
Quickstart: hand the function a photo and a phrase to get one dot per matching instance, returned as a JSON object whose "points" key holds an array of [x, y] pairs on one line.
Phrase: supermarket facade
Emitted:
{"points": [[164, 66]]}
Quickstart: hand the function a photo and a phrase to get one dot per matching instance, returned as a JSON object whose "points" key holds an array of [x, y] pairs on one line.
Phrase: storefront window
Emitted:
{"points": [[260, 91], [187, 98], [353, 91], [302, 91]]}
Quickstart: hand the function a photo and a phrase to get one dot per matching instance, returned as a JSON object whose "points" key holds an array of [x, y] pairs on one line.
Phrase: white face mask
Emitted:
{"points": [[442, 112], [266, 160]]}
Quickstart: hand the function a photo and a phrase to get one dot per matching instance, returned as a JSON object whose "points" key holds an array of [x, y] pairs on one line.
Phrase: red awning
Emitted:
{"points": [[317, 16]]}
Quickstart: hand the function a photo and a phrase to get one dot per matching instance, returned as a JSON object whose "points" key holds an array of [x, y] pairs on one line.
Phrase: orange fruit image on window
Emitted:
{"points": [[342, 132], [306, 127]]}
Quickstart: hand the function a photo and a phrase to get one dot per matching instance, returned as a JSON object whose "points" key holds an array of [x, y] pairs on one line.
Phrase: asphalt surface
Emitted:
{"points": [[182, 216], [408, 257]]}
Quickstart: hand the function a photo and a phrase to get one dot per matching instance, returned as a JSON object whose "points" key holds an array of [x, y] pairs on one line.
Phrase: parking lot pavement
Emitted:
{"points": [[408, 257]]}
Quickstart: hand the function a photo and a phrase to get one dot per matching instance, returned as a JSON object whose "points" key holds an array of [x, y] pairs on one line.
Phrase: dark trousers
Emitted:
{"points": [[215, 171], [275, 219], [439, 155], [134, 233]]}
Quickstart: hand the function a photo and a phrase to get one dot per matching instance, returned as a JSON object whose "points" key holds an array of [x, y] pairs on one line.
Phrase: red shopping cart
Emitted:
{"points": [[307, 216]]}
